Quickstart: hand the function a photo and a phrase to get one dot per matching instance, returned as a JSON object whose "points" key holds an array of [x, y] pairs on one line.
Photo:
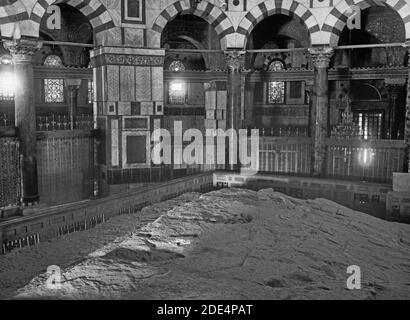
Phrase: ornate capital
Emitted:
{"points": [[321, 56], [235, 60], [22, 50], [73, 84]]}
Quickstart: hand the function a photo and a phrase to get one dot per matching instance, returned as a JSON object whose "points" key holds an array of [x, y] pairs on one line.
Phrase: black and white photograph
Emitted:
{"points": [[204, 154]]}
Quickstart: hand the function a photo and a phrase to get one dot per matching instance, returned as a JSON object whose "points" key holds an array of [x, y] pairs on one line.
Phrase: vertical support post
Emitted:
{"points": [[321, 59], [22, 51], [407, 117], [235, 61], [73, 85]]}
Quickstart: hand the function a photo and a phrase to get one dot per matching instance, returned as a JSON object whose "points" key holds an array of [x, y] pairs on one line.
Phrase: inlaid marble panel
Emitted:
{"points": [[113, 82], [127, 85], [143, 84]]}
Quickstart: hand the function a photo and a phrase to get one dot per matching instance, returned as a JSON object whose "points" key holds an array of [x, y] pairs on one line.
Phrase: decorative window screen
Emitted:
{"points": [[276, 92], [54, 90], [276, 89]]}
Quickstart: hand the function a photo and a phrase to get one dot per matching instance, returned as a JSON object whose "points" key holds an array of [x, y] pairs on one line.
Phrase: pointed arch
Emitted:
{"points": [[205, 10], [94, 10], [336, 20], [268, 8], [11, 13]]}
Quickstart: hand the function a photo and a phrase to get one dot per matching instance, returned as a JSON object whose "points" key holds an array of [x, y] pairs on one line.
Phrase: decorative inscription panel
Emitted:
{"points": [[128, 60]]}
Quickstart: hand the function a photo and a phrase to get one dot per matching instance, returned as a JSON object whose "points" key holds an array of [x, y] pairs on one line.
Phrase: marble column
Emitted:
{"points": [[321, 59], [407, 117], [22, 52], [73, 85], [235, 61]]}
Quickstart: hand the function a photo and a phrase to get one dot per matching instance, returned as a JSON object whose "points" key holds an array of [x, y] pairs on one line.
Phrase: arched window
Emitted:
{"points": [[53, 61], [276, 65], [276, 89], [176, 66], [53, 88]]}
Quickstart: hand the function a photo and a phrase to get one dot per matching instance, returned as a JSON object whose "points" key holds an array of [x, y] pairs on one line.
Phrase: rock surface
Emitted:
{"points": [[227, 244]]}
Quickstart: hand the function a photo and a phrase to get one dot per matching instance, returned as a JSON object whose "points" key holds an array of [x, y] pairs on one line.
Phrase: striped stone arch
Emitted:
{"points": [[11, 12], [336, 20], [93, 10], [205, 10], [271, 7]]}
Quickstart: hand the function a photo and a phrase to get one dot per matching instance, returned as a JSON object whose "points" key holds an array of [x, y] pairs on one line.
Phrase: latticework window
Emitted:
{"points": [[7, 79], [54, 90], [177, 92], [53, 61], [177, 66], [90, 93], [276, 89], [276, 92]]}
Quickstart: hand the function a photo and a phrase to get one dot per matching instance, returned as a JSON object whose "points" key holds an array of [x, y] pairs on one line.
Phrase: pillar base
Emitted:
{"points": [[30, 201], [30, 210]]}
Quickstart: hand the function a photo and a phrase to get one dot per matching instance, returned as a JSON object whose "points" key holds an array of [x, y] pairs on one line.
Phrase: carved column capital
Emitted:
{"points": [[235, 60], [321, 56], [22, 50], [73, 84]]}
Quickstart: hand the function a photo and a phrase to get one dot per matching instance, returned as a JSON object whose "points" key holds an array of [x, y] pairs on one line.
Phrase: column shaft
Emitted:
{"points": [[321, 58], [25, 114], [73, 85], [407, 117], [235, 60]]}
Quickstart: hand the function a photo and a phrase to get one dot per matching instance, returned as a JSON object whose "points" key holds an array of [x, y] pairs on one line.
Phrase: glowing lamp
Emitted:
{"points": [[177, 86], [366, 157], [8, 83]]}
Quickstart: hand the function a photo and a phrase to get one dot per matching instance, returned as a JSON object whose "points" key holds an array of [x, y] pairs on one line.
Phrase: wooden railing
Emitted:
{"points": [[354, 159], [374, 160], [10, 190], [285, 155], [65, 161]]}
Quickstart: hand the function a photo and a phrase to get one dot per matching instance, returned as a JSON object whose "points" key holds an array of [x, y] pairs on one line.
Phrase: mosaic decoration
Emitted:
{"points": [[53, 61], [54, 90]]}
